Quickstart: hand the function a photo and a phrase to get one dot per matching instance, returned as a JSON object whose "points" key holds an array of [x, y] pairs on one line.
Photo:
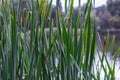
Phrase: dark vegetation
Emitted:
{"points": [[109, 16]]}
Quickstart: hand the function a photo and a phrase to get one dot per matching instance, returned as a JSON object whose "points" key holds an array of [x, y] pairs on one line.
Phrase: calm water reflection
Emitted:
{"points": [[110, 53]]}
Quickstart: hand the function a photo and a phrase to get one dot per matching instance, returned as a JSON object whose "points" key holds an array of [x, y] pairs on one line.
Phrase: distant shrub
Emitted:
{"points": [[104, 19], [94, 18], [115, 22], [114, 7]]}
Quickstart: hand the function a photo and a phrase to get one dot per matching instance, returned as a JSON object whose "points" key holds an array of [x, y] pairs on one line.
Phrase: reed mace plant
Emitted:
{"points": [[38, 53]]}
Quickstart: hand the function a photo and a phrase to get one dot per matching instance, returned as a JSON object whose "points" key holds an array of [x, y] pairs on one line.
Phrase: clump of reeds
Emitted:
{"points": [[58, 54]]}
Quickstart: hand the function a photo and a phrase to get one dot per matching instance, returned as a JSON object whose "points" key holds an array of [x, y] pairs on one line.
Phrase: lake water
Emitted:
{"points": [[110, 53]]}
